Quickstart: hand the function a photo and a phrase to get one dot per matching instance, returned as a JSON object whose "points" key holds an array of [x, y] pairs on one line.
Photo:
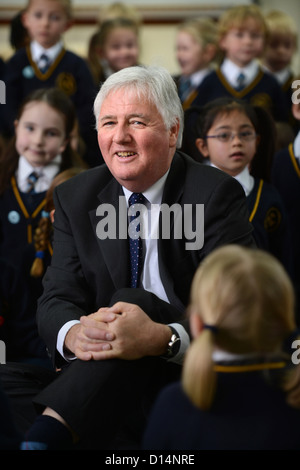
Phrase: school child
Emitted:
{"points": [[286, 178], [280, 49], [39, 151], [228, 137], [196, 50], [114, 47], [242, 34], [241, 378], [46, 63]]}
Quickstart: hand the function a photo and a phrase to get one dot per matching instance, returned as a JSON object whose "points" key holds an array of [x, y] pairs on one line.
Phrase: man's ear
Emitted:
{"points": [[202, 147], [174, 134]]}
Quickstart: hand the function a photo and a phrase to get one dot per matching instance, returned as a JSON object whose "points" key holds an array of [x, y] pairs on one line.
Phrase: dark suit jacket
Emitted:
{"points": [[86, 271]]}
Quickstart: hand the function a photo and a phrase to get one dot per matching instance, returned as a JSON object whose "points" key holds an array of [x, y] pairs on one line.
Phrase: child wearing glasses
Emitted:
{"points": [[227, 132]]}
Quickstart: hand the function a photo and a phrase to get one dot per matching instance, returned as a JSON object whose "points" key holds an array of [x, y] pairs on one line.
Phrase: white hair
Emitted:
{"points": [[152, 83]]}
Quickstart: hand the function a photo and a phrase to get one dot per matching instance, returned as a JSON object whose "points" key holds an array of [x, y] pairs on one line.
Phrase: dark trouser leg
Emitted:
{"points": [[96, 398]]}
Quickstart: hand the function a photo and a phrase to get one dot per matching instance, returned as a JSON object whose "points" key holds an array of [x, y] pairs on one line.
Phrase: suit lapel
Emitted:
{"points": [[115, 251], [172, 194]]}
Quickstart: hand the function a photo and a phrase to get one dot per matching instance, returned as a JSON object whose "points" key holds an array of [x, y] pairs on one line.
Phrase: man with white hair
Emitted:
{"points": [[117, 343]]}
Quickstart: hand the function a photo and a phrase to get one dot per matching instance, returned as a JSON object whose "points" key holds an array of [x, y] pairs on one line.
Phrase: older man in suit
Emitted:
{"points": [[118, 343]]}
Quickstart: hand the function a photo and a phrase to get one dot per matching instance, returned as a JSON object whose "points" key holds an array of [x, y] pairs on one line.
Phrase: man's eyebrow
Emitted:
{"points": [[107, 116], [129, 116]]}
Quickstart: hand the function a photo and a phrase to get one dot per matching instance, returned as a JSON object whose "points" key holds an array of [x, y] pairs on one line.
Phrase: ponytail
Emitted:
{"points": [[198, 375]]}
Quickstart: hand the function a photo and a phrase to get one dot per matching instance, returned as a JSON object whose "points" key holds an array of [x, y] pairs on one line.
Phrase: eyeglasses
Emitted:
{"points": [[244, 136]]}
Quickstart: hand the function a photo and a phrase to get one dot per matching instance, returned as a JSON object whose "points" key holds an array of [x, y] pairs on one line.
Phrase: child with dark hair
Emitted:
{"points": [[229, 135], [38, 152]]}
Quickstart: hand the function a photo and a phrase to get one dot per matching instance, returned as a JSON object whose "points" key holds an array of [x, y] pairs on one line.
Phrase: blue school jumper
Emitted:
{"points": [[249, 412], [286, 178], [264, 91], [19, 216], [68, 72], [268, 217]]}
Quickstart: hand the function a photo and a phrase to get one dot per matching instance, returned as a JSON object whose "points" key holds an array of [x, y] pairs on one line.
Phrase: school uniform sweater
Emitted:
{"points": [[249, 412], [68, 72], [19, 217], [286, 178], [262, 91]]}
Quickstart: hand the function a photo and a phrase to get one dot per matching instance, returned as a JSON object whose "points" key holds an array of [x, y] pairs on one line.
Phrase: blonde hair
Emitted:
{"points": [[99, 39], [203, 30], [236, 17], [119, 10], [279, 22], [246, 295], [66, 5]]}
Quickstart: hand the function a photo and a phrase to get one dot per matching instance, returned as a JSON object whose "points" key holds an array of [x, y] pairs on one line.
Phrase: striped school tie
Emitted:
{"points": [[241, 81], [44, 63], [32, 179]]}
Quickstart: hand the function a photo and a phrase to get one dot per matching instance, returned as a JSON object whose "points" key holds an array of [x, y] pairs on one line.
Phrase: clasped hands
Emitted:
{"points": [[122, 331]]}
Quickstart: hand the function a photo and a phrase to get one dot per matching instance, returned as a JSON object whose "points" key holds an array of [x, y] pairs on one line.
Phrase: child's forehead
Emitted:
{"points": [[282, 36], [52, 4], [227, 116], [247, 23]]}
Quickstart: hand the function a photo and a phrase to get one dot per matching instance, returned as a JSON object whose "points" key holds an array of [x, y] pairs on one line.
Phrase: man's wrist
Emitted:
{"points": [[173, 345]]}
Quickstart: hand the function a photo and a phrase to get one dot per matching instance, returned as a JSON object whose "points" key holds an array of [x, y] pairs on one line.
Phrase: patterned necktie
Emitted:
{"points": [[44, 63], [135, 241], [241, 82], [31, 179], [184, 88]]}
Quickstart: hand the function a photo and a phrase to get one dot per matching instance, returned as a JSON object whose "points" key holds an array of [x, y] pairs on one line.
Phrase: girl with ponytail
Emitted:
{"points": [[240, 381]]}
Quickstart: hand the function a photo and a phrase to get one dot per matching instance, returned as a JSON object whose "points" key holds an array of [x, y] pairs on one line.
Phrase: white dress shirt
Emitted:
{"points": [[150, 277], [280, 76], [45, 173], [244, 178], [231, 72], [37, 50], [197, 77]]}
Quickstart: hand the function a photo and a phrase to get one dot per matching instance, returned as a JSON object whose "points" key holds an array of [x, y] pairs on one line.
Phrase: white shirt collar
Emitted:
{"points": [[244, 178], [46, 174], [37, 50], [197, 77], [231, 71], [280, 76], [152, 194]]}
